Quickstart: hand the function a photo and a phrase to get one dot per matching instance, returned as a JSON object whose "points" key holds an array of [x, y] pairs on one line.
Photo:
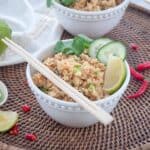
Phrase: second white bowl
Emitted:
{"points": [[94, 23]]}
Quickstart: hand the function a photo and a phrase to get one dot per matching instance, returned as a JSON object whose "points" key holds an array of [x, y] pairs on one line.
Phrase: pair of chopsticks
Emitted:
{"points": [[91, 107], [40, 26]]}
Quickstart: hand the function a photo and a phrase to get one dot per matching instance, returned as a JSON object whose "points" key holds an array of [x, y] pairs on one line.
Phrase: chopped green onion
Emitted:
{"points": [[96, 72], [77, 69], [43, 89], [91, 87]]}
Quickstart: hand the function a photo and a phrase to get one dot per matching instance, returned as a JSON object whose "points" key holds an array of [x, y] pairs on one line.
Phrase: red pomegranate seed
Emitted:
{"points": [[26, 108], [30, 137], [14, 130], [134, 46]]}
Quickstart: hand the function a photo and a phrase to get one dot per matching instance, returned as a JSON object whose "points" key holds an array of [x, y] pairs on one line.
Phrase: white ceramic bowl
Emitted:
{"points": [[69, 113], [94, 23]]}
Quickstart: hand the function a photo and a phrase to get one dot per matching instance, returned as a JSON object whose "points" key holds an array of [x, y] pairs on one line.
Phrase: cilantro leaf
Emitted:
{"points": [[78, 45], [64, 2], [67, 2], [87, 39], [59, 47], [68, 50]]}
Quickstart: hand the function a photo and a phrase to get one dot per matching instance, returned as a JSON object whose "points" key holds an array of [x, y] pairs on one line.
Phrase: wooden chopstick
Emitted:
{"points": [[98, 112]]}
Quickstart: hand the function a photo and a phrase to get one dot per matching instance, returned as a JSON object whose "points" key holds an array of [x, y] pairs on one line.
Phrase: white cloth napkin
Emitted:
{"points": [[24, 16]]}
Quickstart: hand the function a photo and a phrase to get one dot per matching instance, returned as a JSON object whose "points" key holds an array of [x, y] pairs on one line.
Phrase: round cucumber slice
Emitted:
{"points": [[114, 48], [7, 120], [96, 45]]}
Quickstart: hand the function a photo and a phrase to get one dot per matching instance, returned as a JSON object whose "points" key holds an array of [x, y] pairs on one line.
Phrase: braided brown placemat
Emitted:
{"points": [[131, 128]]}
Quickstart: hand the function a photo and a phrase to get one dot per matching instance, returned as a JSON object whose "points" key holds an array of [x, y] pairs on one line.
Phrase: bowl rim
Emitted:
{"points": [[73, 104], [4, 89], [100, 12]]}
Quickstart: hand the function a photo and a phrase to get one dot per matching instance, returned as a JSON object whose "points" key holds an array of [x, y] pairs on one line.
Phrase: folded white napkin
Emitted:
{"points": [[39, 5], [19, 14], [24, 16]]}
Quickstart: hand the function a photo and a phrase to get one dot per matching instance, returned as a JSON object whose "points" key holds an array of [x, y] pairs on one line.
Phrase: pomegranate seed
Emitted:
{"points": [[26, 108], [134, 46], [14, 130], [30, 137]]}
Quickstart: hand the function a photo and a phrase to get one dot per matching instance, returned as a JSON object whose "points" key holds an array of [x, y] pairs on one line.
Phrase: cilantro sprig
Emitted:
{"points": [[63, 2], [73, 47]]}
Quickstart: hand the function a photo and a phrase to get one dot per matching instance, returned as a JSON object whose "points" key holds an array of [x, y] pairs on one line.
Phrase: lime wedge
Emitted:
{"points": [[7, 120], [115, 74], [5, 31]]}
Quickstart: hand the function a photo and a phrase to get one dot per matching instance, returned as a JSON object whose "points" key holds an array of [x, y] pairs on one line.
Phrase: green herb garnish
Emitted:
{"points": [[59, 47], [43, 89], [96, 72], [77, 69], [91, 87], [67, 2], [75, 47], [87, 39], [63, 2]]}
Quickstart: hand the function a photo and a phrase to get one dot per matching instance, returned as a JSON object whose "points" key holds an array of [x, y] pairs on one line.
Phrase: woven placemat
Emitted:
{"points": [[131, 128]]}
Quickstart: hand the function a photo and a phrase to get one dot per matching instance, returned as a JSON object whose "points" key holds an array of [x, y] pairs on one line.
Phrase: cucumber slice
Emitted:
{"points": [[114, 48], [7, 120], [96, 45]]}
